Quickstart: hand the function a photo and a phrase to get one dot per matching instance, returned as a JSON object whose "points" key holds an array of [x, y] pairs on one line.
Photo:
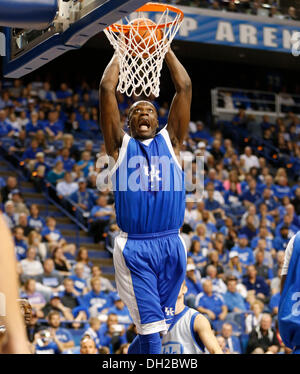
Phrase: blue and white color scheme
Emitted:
{"points": [[289, 304], [181, 337], [149, 254]]}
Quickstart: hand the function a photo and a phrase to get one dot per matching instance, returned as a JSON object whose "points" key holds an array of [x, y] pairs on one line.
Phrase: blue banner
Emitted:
{"points": [[239, 30]]}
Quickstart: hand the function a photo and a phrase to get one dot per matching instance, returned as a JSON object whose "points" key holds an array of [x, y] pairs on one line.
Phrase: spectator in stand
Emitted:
{"points": [[50, 277], [54, 127], [281, 240], [6, 129], [54, 237], [287, 221], [61, 264], [44, 343], [106, 285], [88, 346], [93, 330], [31, 267], [46, 94], [232, 298], [80, 284], [267, 254], [86, 164], [82, 197], [193, 283], [19, 205], [11, 218], [281, 188], [121, 310], [250, 160], [245, 253], [64, 156], [83, 258], [198, 254], [100, 217], [232, 342], [263, 337], [292, 14], [263, 270], [216, 150], [253, 319], [111, 334], [11, 184], [36, 299], [35, 240], [30, 152], [213, 259], [55, 305], [69, 298], [35, 221], [190, 215], [56, 174], [200, 134], [34, 125], [21, 245], [219, 287], [254, 282], [62, 334], [234, 266], [251, 195], [211, 304], [97, 301]]}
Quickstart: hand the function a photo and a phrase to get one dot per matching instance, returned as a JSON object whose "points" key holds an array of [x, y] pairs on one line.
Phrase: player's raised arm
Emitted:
{"points": [[179, 115], [109, 112]]}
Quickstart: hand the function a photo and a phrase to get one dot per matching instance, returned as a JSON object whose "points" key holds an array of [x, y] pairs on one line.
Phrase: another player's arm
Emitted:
{"points": [[15, 327], [109, 112], [179, 115], [206, 335]]}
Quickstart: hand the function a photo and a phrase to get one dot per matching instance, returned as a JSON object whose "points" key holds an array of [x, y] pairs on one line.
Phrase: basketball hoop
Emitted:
{"points": [[141, 45]]}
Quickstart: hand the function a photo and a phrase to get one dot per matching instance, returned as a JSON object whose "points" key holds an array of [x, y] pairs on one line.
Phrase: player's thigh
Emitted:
{"points": [[172, 274]]}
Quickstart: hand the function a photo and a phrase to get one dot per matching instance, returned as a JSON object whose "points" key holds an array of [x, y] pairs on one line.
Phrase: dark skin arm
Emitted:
{"points": [[179, 115], [282, 280], [109, 112]]}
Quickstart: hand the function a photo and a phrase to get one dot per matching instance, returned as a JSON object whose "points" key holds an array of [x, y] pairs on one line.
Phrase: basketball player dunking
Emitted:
{"points": [[149, 254]]}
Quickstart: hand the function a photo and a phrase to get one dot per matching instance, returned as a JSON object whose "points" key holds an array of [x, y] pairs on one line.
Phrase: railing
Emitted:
{"points": [[226, 100]]}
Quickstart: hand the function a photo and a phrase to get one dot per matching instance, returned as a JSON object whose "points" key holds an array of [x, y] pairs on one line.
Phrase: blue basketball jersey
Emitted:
{"points": [[148, 185], [289, 303]]}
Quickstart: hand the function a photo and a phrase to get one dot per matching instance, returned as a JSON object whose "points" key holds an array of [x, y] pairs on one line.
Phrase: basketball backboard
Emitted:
{"points": [[46, 29]]}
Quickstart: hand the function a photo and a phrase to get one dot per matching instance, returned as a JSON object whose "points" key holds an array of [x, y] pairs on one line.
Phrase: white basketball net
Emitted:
{"points": [[141, 63]]}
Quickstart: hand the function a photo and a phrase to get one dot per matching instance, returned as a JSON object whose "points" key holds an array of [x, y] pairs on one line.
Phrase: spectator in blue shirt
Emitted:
{"points": [[20, 243], [68, 162], [245, 253], [34, 219], [268, 199], [45, 343], [193, 283], [121, 310], [232, 298], [31, 152], [86, 164], [54, 127], [83, 197], [34, 125], [252, 195], [111, 334], [211, 304], [100, 217], [254, 282], [97, 300], [5, 128], [200, 133], [62, 334], [80, 284], [282, 188], [288, 222], [281, 240]]}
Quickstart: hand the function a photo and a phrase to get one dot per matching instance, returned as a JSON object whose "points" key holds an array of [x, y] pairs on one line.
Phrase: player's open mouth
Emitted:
{"points": [[144, 125]]}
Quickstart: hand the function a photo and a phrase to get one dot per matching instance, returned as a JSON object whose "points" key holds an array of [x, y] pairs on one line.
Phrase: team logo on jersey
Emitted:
{"points": [[153, 175], [169, 311]]}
